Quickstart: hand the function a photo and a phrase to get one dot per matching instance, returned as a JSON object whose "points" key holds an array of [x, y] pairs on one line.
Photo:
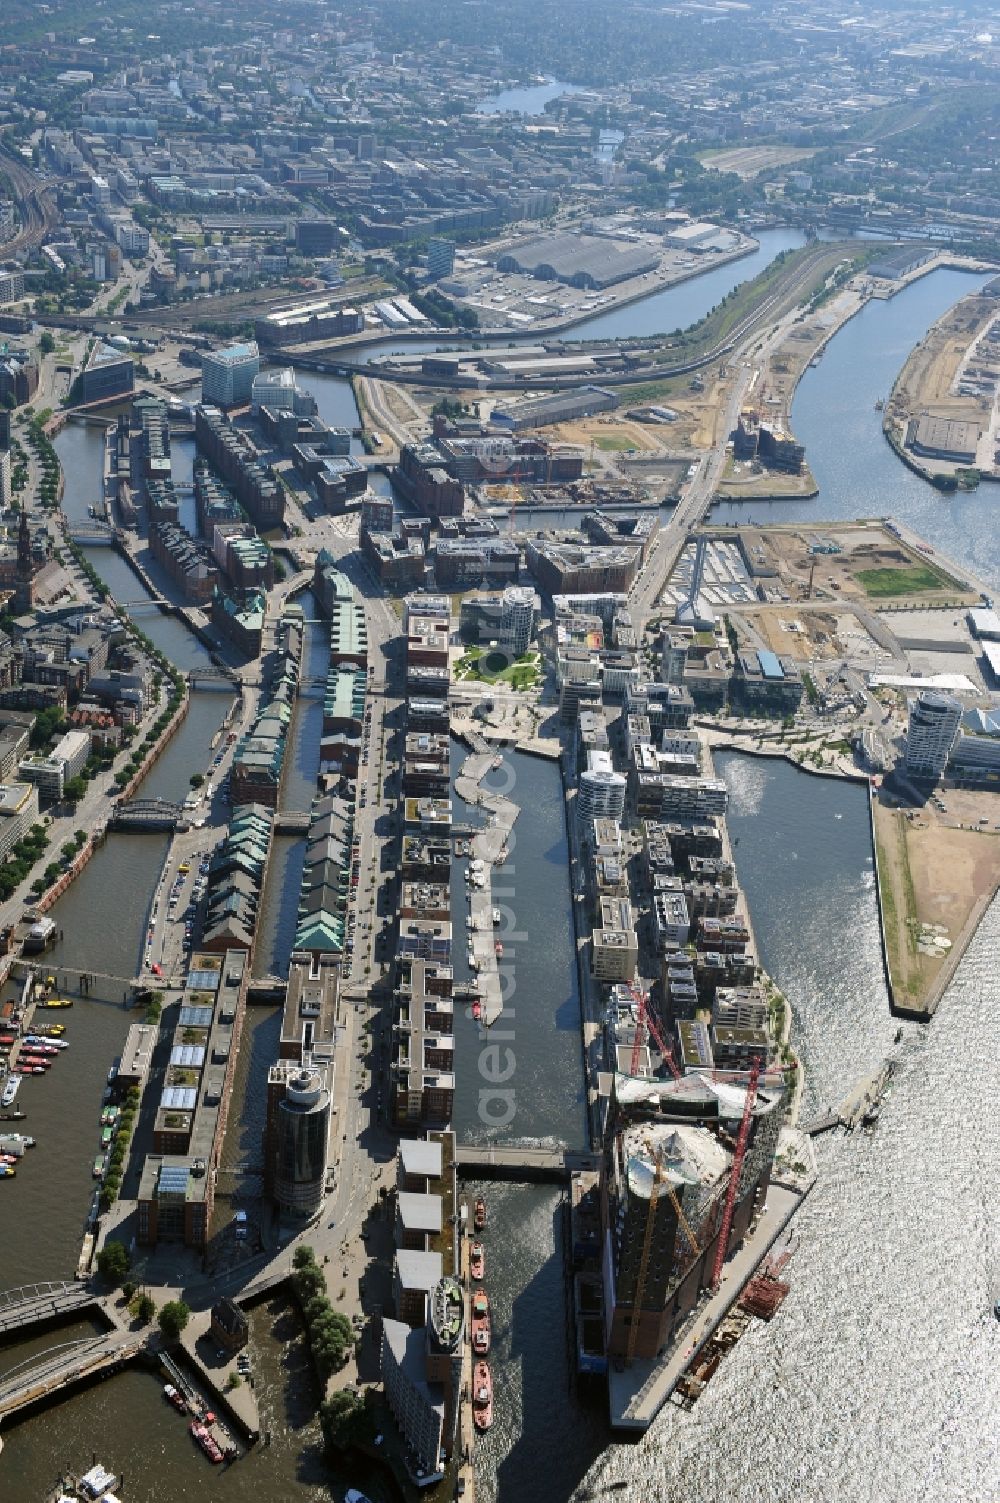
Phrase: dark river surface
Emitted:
{"points": [[878, 1379]]}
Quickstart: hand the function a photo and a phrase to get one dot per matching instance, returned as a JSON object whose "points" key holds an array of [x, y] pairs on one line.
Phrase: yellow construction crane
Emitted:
{"points": [[647, 1243], [689, 1234]]}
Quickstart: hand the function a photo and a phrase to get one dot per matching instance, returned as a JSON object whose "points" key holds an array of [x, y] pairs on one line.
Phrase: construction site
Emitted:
{"points": [[688, 1207], [944, 406]]}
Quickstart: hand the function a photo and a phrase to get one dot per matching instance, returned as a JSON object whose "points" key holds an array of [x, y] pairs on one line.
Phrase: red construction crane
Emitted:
{"points": [[643, 1021], [734, 1174]]}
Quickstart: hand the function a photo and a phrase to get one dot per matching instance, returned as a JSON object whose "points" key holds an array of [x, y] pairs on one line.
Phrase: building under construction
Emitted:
{"points": [[671, 1211]]}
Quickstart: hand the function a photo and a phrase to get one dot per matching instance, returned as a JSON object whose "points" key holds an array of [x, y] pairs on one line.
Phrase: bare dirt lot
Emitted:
{"points": [[612, 434], [936, 870], [748, 161], [871, 567], [927, 381]]}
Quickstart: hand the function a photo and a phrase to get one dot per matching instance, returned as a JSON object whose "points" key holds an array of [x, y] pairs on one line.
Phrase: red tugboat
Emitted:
{"points": [[498, 949], [482, 1396], [204, 1437], [482, 1333], [479, 1218], [477, 1009], [477, 1261]]}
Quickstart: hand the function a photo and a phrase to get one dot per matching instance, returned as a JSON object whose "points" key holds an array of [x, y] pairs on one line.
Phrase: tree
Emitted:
{"points": [[46, 344], [343, 1418], [303, 1256], [113, 1262], [145, 1309], [75, 789], [196, 779], [173, 1318]]}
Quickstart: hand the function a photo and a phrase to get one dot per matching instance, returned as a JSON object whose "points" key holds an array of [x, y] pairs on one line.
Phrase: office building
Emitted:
{"points": [[601, 791], [421, 1371], [440, 259], [227, 376], [299, 1131], [108, 374], [930, 733], [18, 811], [506, 619]]}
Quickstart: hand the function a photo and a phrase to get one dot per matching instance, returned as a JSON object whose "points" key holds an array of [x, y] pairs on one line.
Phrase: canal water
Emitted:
{"points": [[681, 306], [537, 1041]]}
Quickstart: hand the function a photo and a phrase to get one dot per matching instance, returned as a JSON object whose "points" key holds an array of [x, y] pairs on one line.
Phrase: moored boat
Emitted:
{"points": [[482, 1396], [174, 1396], [498, 949], [51, 1002], [477, 1260], [100, 1164], [204, 1438], [479, 1217], [477, 1009], [482, 1334], [354, 1496], [10, 1089]]}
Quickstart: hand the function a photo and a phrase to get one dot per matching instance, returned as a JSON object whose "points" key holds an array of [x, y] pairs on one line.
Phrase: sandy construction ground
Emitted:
{"points": [[748, 161], [934, 871]]}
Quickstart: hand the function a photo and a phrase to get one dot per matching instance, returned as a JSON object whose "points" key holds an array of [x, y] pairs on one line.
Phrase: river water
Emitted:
{"points": [[858, 474], [878, 1378]]}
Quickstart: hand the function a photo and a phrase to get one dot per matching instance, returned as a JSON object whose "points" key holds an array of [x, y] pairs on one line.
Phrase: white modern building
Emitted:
{"points": [[227, 376], [66, 760], [930, 733], [277, 389], [601, 791]]}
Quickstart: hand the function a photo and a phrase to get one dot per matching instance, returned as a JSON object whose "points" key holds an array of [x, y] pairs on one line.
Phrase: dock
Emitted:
{"points": [[489, 845], [856, 1105], [35, 1305], [637, 1393], [65, 1367]]}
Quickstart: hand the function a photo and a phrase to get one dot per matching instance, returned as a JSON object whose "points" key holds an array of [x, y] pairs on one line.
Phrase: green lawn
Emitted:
{"points": [[913, 580], [614, 443], [498, 667]]}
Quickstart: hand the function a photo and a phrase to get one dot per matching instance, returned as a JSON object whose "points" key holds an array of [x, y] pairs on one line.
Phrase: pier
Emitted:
{"points": [[39, 1304], [63, 1367], [489, 845], [856, 1105]]}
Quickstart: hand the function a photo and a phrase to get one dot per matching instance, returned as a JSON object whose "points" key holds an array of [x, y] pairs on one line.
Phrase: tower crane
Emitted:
{"points": [[739, 1154], [645, 1021], [647, 1243]]}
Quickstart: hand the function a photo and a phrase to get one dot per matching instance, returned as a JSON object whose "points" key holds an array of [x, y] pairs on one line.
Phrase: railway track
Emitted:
{"points": [[33, 197]]}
